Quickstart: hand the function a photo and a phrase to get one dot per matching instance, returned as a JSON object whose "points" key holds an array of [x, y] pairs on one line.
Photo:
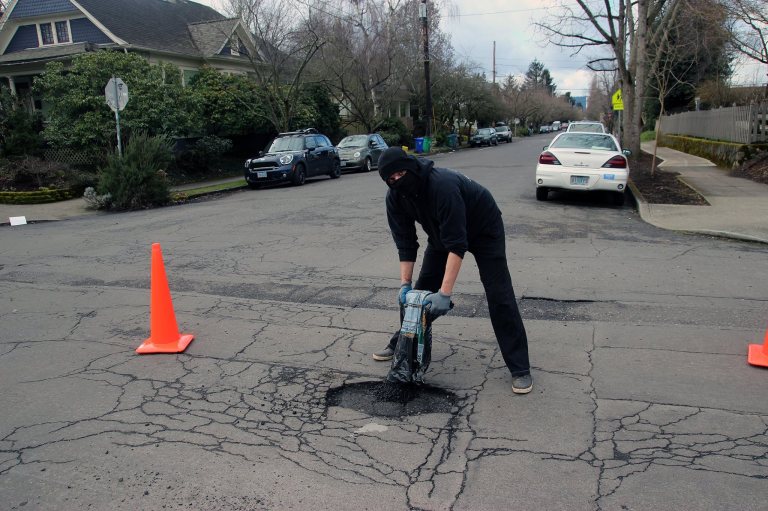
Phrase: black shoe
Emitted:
{"points": [[522, 384], [384, 355]]}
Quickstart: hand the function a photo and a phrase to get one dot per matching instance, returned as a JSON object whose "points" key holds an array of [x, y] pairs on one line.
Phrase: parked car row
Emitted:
{"points": [[294, 156], [491, 136]]}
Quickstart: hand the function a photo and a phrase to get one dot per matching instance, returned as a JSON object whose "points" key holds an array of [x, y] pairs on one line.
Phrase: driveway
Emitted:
{"points": [[638, 336]]}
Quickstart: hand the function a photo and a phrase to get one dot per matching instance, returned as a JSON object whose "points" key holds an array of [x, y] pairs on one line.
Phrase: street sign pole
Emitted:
{"points": [[116, 94], [117, 121]]}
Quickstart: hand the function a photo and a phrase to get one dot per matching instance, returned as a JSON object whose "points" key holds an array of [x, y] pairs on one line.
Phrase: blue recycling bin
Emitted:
{"points": [[419, 145], [452, 139]]}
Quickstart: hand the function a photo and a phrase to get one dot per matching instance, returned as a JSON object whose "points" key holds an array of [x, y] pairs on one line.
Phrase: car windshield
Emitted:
{"points": [[283, 144], [354, 141], [584, 141], [502, 128], [484, 131], [586, 128]]}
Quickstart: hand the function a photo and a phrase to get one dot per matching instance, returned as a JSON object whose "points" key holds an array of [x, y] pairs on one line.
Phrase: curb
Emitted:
{"points": [[204, 194], [643, 209]]}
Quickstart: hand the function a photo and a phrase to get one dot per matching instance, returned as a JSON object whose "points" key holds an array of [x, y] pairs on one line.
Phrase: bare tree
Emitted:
{"points": [[749, 29], [626, 28], [286, 41], [365, 61]]}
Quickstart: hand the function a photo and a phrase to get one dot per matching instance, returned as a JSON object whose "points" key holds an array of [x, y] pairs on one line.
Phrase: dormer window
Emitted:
{"points": [[234, 46], [53, 33]]}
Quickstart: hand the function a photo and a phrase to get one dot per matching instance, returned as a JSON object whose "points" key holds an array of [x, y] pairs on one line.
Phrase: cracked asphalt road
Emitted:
{"points": [[642, 398]]}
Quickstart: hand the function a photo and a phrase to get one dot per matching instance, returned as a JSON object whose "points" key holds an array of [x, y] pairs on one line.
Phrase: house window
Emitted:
{"points": [[62, 31], [54, 33], [46, 33], [234, 46]]}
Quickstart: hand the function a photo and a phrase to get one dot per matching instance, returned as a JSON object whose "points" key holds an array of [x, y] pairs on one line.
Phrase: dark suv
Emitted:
{"points": [[294, 156]]}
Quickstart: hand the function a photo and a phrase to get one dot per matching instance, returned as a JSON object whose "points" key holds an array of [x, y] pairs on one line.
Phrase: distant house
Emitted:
{"points": [[181, 32]]}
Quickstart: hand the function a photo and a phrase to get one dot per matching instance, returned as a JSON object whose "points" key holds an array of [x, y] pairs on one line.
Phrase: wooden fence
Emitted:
{"points": [[741, 124]]}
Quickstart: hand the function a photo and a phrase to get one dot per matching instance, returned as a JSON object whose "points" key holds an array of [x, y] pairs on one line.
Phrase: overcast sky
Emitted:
{"points": [[476, 24]]}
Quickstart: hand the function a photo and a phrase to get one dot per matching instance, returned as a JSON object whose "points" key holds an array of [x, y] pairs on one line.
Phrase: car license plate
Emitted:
{"points": [[261, 173], [579, 180]]}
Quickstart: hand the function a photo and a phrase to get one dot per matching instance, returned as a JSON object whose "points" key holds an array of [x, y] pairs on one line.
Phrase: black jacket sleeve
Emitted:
{"points": [[452, 213], [403, 227]]}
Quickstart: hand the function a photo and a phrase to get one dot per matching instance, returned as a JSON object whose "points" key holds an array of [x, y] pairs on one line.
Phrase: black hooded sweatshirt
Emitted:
{"points": [[456, 213]]}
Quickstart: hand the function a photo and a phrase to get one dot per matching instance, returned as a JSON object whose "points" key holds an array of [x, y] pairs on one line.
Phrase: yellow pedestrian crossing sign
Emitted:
{"points": [[617, 101]]}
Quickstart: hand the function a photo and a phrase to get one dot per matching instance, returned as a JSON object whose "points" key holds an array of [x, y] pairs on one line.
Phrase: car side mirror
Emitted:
{"points": [[261, 153], [545, 148], [627, 153]]}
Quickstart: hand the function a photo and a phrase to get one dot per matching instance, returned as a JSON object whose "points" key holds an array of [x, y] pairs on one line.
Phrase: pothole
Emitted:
{"points": [[383, 399]]}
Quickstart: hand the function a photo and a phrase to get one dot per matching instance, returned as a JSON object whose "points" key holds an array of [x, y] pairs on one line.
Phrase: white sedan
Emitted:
{"points": [[584, 162]]}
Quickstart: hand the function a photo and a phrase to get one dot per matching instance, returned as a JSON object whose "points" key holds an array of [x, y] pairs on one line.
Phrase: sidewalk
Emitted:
{"points": [[738, 207], [76, 207]]}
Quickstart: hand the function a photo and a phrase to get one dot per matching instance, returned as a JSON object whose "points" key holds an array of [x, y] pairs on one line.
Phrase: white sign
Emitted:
{"points": [[116, 92], [18, 220]]}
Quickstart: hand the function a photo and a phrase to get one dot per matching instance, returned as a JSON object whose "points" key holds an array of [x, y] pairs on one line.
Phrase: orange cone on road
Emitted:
{"points": [[164, 332], [758, 355]]}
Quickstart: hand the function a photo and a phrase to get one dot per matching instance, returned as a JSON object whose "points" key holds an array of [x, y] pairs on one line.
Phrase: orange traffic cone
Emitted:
{"points": [[164, 332], [758, 355]]}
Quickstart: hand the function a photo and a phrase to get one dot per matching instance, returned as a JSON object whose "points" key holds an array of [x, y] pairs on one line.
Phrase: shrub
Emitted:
{"points": [[647, 136], [95, 201], [393, 131], [40, 196], [138, 179], [31, 173], [202, 158], [213, 147]]}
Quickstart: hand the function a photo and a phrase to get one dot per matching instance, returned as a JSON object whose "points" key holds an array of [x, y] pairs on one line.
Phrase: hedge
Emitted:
{"points": [[724, 154], [37, 197]]}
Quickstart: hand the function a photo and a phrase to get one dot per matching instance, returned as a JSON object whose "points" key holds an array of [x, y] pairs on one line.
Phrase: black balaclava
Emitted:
{"points": [[394, 159]]}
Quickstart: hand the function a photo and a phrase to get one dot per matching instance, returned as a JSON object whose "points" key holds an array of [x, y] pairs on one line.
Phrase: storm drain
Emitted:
{"points": [[383, 399]]}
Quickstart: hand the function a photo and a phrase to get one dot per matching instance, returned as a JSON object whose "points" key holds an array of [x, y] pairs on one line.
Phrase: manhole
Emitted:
{"points": [[385, 399]]}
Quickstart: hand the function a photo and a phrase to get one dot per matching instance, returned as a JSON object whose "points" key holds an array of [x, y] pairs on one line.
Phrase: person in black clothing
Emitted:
{"points": [[458, 215]]}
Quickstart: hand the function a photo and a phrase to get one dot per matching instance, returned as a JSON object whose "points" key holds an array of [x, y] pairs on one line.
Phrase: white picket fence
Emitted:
{"points": [[741, 124]]}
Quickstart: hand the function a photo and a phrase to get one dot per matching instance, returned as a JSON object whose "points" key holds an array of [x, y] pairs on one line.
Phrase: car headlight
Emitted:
{"points": [[286, 159], [247, 163], [357, 154]]}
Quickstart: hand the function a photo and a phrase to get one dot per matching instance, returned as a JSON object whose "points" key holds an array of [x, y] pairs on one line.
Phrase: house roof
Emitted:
{"points": [[155, 24], [209, 36]]}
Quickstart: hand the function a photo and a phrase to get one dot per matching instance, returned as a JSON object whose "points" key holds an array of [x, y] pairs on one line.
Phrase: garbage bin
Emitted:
{"points": [[452, 139], [427, 144], [420, 144]]}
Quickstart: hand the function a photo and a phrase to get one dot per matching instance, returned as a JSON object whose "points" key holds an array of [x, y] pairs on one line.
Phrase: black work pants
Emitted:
{"points": [[505, 316]]}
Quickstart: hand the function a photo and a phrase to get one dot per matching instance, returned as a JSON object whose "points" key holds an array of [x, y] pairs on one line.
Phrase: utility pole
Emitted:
{"points": [[494, 62], [428, 85]]}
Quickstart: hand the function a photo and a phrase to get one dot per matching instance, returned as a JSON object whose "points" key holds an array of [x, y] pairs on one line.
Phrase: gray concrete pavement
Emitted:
{"points": [[642, 399], [738, 207]]}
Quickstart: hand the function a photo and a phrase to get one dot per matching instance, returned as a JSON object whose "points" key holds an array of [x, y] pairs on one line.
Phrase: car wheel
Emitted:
{"points": [[367, 165], [495, 142], [299, 175], [336, 171], [618, 198], [542, 193]]}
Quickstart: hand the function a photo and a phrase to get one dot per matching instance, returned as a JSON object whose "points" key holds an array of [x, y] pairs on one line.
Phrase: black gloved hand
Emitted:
{"points": [[439, 303]]}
